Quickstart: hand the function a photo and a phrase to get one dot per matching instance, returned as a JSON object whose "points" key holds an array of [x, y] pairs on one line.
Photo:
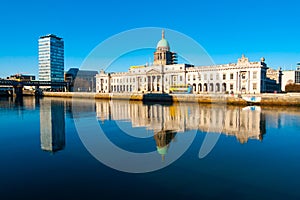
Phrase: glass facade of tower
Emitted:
{"points": [[51, 58]]}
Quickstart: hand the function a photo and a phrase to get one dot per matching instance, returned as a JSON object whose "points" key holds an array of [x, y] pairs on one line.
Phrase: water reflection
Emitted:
{"points": [[52, 125], [83, 107], [165, 121], [163, 140], [18, 103], [243, 123], [230, 165]]}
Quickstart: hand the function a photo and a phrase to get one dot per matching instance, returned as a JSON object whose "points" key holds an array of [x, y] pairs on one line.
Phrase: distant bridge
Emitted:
{"points": [[18, 85], [33, 83]]}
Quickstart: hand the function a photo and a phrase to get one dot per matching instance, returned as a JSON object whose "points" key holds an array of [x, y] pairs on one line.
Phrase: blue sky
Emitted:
{"points": [[225, 29]]}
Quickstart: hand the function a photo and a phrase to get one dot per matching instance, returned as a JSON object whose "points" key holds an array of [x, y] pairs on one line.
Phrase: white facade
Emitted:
{"points": [[290, 76], [51, 58], [241, 77]]}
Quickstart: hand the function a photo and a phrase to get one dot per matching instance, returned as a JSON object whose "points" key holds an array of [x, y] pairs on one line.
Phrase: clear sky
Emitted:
{"points": [[226, 29]]}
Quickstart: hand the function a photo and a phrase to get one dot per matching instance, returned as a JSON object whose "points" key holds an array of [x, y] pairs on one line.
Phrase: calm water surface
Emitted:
{"points": [[256, 156]]}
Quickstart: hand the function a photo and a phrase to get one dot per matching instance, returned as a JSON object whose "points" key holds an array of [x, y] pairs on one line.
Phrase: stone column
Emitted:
{"points": [[156, 83], [162, 85], [136, 84], [152, 83]]}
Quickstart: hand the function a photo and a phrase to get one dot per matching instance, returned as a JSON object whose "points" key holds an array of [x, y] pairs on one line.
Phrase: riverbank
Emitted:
{"points": [[289, 99]]}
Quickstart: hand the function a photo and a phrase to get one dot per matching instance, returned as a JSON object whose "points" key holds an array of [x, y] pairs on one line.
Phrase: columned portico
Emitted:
{"points": [[154, 81]]}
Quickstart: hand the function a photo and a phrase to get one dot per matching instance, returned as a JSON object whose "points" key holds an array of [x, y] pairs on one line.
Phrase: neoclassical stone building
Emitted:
{"points": [[165, 74]]}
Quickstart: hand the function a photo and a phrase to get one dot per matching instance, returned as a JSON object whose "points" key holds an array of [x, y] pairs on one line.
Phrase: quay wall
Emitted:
{"points": [[289, 99]]}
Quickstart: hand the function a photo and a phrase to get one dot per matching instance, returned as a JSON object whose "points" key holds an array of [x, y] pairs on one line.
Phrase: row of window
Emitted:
{"points": [[44, 57], [44, 48], [146, 79], [52, 48], [180, 78], [59, 65], [56, 52], [166, 69], [59, 55], [121, 88], [196, 88], [48, 69], [61, 51], [297, 77], [57, 43], [217, 87], [224, 76], [52, 59], [120, 80], [43, 43], [44, 51], [44, 67]]}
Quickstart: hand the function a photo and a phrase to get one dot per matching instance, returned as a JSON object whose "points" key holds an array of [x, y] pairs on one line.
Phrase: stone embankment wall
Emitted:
{"points": [[290, 99]]}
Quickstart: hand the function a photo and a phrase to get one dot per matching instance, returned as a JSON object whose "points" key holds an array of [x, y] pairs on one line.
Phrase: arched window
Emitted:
{"points": [[205, 87], [217, 87], [199, 87], [211, 87], [194, 88], [224, 87]]}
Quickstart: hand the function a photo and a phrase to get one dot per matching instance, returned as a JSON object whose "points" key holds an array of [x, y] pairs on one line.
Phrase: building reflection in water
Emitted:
{"points": [[79, 108], [18, 103], [165, 121], [52, 125], [163, 140]]}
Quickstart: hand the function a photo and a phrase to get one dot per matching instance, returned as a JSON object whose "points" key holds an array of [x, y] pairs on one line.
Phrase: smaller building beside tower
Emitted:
{"points": [[291, 77], [81, 80], [21, 77], [274, 80]]}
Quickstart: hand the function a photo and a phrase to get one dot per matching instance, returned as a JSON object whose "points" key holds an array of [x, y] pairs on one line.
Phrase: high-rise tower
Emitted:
{"points": [[51, 58]]}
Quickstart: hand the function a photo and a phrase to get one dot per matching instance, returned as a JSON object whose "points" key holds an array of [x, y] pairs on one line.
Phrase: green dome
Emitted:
{"points": [[162, 150], [163, 43]]}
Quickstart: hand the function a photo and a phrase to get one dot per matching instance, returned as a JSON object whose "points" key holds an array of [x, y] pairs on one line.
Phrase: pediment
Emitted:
{"points": [[153, 71], [243, 60]]}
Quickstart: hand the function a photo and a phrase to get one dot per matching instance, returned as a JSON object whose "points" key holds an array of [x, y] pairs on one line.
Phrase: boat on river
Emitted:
{"points": [[252, 99]]}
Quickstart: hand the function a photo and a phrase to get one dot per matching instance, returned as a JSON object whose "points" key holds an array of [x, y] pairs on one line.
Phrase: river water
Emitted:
{"points": [[54, 148]]}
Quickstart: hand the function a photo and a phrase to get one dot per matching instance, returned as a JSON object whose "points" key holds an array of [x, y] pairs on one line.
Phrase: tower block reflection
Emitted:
{"points": [[52, 125]]}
